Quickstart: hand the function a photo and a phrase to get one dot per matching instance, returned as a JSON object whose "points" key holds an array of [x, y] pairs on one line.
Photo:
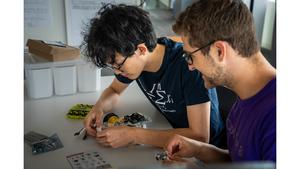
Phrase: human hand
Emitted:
{"points": [[93, 120], [179, 146], [117, 136]]}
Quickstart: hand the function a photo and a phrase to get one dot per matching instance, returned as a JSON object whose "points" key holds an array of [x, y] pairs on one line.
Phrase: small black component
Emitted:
{"points": [[85, 136], [161, 156], [82, 133], [78, 132], [134, 118]]}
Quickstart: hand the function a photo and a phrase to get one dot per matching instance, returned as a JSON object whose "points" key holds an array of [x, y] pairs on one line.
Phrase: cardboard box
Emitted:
{"points": [[52, 52]]}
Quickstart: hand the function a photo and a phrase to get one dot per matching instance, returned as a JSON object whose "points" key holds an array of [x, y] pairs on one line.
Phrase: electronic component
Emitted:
{"points": [[32, 137], [79, 111], [48, 144], [111, 119], [81, 133], [135, 120], [41, 143], [161, 156]]}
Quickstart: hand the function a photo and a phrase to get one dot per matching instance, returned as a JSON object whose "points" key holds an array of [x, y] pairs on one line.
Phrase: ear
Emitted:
{"points": [[142, 49], [220, 50]]}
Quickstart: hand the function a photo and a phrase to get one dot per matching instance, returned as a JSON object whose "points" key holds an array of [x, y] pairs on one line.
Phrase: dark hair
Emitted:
{"points": [[117, 28], [209, 20]]}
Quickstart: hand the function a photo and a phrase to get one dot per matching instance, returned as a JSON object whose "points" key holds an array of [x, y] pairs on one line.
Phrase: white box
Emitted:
{"points": [[39, 83], [88, 77], [65, 80]]}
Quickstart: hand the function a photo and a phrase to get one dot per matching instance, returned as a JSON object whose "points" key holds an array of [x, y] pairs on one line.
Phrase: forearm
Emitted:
{"points": [[107, 100], [211, 154], [159, 138]]}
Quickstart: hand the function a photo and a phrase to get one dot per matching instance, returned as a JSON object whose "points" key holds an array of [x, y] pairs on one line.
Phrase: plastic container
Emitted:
{"points": [[63, 77], [39, 83], [88, 77], [65, 80]]}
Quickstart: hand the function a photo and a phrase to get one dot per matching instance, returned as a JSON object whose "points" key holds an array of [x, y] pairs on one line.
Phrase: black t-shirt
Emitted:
{"points": [[174, 87]]}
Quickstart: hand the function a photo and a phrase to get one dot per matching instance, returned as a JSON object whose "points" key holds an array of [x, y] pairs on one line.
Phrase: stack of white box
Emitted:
{"points": [[43, 78]]}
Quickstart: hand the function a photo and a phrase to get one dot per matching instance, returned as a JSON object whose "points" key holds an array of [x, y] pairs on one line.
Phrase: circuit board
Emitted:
{"points": [[79, 111], [41, 143]]}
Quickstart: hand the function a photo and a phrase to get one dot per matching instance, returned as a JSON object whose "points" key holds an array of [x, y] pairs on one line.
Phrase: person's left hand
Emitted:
{"points": [[117, 136], [179, 146]]}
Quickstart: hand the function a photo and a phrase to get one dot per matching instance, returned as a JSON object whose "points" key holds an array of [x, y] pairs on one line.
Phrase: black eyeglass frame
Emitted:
{"points": [[118, 67], [188, 56]]}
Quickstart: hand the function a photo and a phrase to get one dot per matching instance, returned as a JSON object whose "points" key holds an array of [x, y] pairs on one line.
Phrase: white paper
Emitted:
{"points": [[79, 12], [37, 13]]}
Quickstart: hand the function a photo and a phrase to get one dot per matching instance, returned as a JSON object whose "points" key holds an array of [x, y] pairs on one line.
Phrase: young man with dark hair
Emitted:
{"points": [[219, 40], [122, 38]]}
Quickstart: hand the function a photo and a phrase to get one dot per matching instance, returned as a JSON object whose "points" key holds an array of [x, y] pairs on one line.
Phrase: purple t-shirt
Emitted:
{"points": [[251, 126]]}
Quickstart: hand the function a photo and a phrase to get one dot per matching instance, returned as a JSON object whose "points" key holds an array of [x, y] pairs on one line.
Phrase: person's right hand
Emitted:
{"points": [[93, 120], [180, 146]]}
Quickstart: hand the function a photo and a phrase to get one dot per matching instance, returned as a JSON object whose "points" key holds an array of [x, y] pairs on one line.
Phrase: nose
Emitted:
{"points": [[191, 67]]}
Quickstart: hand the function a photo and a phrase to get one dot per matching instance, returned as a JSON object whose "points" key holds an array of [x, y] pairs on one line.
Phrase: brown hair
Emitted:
{"points": [[209, 20]]}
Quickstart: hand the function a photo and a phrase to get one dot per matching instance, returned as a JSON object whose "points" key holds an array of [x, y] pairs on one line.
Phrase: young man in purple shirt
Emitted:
{"points": [[219, 41]]}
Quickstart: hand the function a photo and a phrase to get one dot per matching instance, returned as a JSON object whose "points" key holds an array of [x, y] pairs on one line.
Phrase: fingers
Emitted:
{"points": [[102, 133], [104, 138], [174, 156], [112, 137], [98, 119], [90, 120], [173, 146], [87, 124], [176, 159]]}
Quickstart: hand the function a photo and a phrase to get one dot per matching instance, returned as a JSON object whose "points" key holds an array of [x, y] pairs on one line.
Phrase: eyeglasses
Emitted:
{"points": [[118, 66], [188, 56]]}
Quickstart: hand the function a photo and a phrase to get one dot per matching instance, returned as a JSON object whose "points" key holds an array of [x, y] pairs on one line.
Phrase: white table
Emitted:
{"points": [[48, 116]]}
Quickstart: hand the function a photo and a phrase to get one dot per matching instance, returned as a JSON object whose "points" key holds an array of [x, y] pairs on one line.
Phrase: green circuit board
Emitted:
{"points": [[79, 111]]}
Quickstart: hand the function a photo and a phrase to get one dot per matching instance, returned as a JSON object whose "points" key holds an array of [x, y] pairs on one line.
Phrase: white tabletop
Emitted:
{"points": [[48, 116]]}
